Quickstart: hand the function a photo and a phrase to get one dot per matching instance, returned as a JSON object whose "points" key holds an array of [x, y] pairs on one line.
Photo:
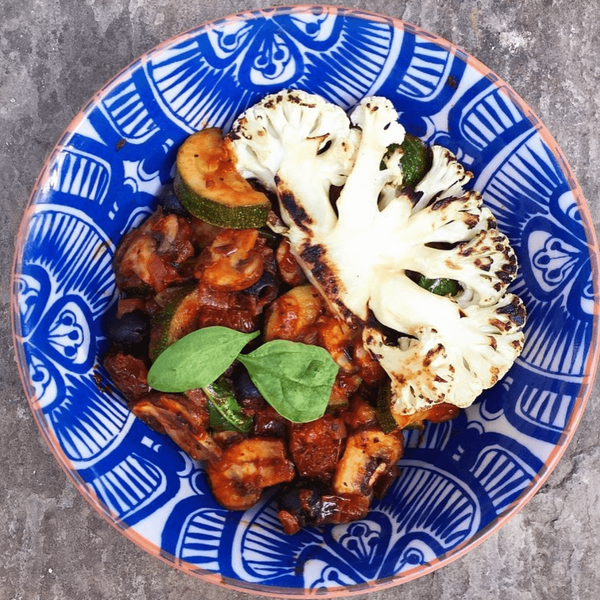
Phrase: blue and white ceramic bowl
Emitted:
{"points": [[464, 478]]}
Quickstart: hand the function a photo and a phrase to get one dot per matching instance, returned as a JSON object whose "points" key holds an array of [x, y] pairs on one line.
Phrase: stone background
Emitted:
{"points": [[54, 54]]}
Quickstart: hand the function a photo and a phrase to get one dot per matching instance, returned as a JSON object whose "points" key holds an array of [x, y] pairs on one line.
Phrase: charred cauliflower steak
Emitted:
{"points": [[362, 249]]}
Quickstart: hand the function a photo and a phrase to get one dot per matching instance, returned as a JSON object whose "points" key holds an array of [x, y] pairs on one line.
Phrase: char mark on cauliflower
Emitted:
{"points": [[491, 249], [515, 311], [314, 260], [314, 257], [442, 203], [312, 254], [409, 194], [294, 209]]}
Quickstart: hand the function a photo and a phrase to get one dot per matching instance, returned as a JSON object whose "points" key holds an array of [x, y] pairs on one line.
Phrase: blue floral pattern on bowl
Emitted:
{"points": [[460, 480]]}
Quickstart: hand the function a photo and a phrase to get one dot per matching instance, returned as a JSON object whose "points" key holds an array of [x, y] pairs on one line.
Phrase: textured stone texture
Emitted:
{"points": [[54, 54]]}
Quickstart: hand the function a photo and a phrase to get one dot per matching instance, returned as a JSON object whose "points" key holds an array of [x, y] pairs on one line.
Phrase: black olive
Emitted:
{"points": [[273, 428], [289, 500], [243, 388], [131, 331], [269, 427], [265, 289], [171, 205], [307, 508]]}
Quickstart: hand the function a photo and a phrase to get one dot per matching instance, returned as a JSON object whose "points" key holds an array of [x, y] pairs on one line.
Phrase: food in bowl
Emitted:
{"points": [[368, 285]]}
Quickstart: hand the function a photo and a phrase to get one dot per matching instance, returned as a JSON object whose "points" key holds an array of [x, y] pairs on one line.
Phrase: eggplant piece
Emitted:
{"points": [[265, 290], [269, 423], [170, 203], [243, 386]]}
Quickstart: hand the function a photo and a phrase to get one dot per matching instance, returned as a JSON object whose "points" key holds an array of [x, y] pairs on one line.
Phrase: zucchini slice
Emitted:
{"points": [[415, 161], [178, 318], [209, 186], [384, 408]]}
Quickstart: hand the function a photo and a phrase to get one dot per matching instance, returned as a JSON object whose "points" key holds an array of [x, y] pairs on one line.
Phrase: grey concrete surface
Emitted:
{"points": [[54, 54]]}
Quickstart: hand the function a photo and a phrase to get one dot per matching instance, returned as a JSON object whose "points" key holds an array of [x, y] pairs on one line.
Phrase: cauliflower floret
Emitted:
{"points": [[480, 256], [297, 141], [362, 254], [454, 360], [445, 178]]}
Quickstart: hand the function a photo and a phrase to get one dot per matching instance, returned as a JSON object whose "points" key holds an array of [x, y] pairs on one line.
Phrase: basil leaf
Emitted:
{"points": [[294, 378], [441, 287], [197, 359], [225, 413]]}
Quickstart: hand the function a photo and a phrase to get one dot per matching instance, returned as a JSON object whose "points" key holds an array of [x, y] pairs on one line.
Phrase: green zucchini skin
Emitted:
{"points": [[221, 215], [224, 410], [174, 321], [210, 188], [384, 413], [415, 161]]}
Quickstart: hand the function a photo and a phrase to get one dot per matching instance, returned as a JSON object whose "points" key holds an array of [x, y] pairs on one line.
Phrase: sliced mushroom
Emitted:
{"points": [[369, 455], [246, 468], [184, 418]]}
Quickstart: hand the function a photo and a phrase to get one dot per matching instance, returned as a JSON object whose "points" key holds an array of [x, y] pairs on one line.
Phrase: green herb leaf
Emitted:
{"points": [[225, 413], [197, 359], [294, 378], [441, 287]]}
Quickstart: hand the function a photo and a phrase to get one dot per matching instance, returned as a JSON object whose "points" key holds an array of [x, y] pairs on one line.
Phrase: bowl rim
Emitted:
{"points": [[459, 551]]}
